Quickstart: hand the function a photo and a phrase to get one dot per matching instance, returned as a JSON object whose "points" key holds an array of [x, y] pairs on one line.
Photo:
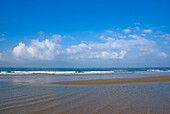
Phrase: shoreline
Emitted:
{"points": [[117, 81]]}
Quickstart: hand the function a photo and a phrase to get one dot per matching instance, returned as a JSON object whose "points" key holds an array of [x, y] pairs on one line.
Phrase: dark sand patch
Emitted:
{"points": [[117, 81]]}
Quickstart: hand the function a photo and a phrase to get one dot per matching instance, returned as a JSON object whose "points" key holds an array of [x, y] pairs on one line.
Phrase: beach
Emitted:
{"points": [[140, 98], [144, 92]]}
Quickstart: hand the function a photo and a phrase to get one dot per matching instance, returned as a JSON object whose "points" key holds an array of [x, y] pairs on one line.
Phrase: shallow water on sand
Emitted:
{"points": [[46, 78], [20, 94], [52, 99]]}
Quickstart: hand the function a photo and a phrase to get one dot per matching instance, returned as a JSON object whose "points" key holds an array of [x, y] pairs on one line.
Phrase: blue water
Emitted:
{"points": [[84, 69], [49, 75]]}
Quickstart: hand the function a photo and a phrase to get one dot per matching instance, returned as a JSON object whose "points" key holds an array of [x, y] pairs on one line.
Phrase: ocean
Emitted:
{"points": [[60, 71], [50, 75]]}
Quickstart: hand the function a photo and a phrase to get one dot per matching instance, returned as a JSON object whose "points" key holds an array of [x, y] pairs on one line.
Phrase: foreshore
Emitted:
{"points": [[117, 81], [35, 94]]}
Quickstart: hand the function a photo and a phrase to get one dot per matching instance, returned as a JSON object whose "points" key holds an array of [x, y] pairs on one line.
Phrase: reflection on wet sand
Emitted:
{"points": [[122, 98]]}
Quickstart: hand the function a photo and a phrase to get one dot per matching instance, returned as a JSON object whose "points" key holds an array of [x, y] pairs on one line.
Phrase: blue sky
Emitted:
{"points": [[91, 33]]}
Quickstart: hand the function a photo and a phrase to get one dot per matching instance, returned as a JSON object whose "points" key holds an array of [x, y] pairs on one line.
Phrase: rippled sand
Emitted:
{"points": [[145, 98], [35, 94]]}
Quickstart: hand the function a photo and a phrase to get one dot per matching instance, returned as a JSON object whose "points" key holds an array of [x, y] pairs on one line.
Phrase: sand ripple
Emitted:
{"points": [[52, 99]]}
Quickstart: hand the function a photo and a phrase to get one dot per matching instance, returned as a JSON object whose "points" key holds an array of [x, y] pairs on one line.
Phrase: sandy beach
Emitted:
{"points": [[97, 94], [117, 81]]}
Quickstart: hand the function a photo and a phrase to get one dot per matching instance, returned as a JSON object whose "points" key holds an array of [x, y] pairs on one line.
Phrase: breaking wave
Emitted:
{"points": [[57, 72], [78, 72]]}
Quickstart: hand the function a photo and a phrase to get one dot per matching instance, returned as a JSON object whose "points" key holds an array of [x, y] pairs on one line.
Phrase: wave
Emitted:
{"points": [[56, 72], [80, 72], [157, 70]]}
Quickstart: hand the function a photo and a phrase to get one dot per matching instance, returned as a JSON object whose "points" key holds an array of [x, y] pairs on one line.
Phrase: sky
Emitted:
{"points": [[89, 33]]}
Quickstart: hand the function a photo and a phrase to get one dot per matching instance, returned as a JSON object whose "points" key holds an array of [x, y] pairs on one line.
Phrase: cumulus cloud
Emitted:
{"points": [[162, 54], [126, 30], [43, 50], [19, 50], [115, 45], [147, 31], [112, 55], [111, 49]]}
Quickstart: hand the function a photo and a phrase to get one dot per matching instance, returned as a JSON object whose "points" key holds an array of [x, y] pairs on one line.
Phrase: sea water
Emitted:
{"points": [[49, 75]]}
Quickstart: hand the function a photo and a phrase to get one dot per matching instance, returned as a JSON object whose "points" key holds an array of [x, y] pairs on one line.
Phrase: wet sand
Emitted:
{"points": [[143, 98], [117, 81], [119, 98]]}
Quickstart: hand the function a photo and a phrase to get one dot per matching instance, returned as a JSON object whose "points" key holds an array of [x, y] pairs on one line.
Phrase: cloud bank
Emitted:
{"points": [[112, 44]]}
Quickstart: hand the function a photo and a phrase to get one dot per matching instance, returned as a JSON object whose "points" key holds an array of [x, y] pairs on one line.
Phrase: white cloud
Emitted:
{"points": [[134, 36], [109, 49], [166, 36], [122, 54], [143, 34], [123, 36], [126, 30], [19, 50], [42, 50], [147, 31], [109, 31], [102, 37], [137, 28], [112, 55], [162, 54], [56, 37], [122, 43]]}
